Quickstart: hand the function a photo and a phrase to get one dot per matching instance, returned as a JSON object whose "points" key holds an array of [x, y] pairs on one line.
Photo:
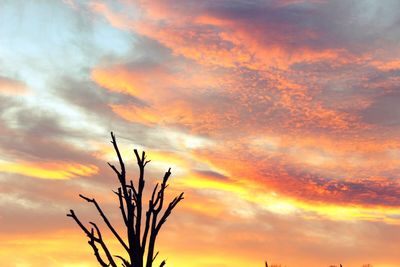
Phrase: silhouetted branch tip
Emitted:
{"points": [[86, 198], [155, 256]]}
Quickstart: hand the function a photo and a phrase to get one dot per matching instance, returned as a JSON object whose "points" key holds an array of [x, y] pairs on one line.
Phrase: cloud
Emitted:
{"points": [[48, 170], [278, 118], [384, 110], [12, 87]]}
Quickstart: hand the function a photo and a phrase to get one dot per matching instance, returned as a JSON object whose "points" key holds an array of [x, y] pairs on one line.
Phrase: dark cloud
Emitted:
{"points": [[311, 185], [91, 98], [384, 111], [352, 25], [212, 174]]}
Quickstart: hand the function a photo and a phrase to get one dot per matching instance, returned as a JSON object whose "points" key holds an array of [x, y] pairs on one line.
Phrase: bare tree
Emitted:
{"points": [[142, 228]]}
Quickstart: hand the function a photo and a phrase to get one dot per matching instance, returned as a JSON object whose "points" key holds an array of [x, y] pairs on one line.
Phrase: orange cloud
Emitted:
{"points": [[179, 113], [228, 45], [312, 170], [120, 82], [48, 170], [387, 65], [215, 42], [12, 87]]}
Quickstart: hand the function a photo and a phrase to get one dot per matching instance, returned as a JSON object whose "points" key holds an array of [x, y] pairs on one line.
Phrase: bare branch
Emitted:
{"points": [[121, 176], [84, 229], [114, 169], [125, 262], [157, 206], [160, 195], [131, 186], [121, 162], [139, 160], [92, 239], [133, 249], [139, 195], [92, 200], [92, 243], [155, 256], [97, 230], [147, 226], [168, 211], [103, 245], [121, 205]]}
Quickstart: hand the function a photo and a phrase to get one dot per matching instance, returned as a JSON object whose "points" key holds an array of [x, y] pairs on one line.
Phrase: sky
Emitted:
{"points": [[280, 121]]}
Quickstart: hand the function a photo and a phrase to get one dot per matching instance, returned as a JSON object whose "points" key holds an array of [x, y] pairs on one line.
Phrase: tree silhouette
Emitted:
{"points": [[141, 229]]}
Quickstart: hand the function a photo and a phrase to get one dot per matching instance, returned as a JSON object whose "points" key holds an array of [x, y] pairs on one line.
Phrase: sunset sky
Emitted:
{"points": [[280, 120]]}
